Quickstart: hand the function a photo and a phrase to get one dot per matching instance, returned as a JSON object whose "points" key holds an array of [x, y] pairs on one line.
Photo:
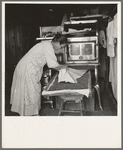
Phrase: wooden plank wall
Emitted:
{"points": [[18, 40]]}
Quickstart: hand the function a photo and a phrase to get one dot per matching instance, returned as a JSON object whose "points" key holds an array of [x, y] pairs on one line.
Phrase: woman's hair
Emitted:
{"points": [[60, 38]]}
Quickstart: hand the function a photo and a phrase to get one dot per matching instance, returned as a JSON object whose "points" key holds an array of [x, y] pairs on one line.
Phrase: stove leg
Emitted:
{"points": [[97, 87], [99, 99]]}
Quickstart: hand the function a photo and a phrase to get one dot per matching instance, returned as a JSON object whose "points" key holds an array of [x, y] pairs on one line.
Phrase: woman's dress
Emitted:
{"points": [[26, 85]]}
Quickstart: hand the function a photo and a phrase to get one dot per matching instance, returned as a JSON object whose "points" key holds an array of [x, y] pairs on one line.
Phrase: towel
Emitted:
{"points": [[112, 30], [70, 75], [102, 38]]}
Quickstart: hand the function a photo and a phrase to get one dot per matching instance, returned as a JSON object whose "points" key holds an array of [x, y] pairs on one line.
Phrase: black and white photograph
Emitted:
{"points": [[61, 62]]}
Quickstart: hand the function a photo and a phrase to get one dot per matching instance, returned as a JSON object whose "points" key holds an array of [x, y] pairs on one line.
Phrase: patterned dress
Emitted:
{"points": [[26, 86]]}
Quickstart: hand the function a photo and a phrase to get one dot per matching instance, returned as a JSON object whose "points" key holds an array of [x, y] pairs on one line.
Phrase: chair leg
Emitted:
{"points": [[62, 102], [81, 105], [85, 107]]}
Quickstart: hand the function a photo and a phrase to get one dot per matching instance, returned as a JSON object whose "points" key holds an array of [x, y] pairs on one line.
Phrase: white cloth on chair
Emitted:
{"points": [[70, 75]]}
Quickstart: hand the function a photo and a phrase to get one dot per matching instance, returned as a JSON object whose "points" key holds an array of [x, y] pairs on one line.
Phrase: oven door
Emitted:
{"points": [[87, 51], [83, 52]]}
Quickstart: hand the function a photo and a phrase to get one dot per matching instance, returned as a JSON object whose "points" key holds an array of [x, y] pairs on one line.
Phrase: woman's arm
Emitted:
{"points": [[61, 67]]}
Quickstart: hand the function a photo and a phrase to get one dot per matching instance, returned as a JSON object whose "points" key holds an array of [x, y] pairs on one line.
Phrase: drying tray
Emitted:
{"points": [[83, 87]]}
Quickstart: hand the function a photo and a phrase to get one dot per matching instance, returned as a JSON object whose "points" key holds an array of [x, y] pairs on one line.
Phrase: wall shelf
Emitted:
{"points": [[47, 38]]}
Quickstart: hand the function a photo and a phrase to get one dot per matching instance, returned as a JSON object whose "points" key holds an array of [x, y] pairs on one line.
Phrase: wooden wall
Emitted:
{"points": [[18, 40]]}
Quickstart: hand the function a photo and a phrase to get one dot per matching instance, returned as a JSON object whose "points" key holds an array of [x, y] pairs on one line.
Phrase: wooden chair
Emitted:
{"points": [[71, 99]]}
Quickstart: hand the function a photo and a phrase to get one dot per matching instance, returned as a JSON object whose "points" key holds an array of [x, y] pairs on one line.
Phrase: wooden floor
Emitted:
{"points": [[108, 109]]}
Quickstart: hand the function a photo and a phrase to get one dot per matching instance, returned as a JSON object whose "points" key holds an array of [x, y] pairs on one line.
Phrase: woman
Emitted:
{"points": [[26, 86]]}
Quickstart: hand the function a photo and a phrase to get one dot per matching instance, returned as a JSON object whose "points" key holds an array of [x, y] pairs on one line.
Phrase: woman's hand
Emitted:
{"points": [[61, 67], [64, 67]]}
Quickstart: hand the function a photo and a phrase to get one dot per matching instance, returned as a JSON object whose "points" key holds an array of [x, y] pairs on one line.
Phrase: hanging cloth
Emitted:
{"points": [[112, 53], [111, 35], [102, 39], [110, 40]]}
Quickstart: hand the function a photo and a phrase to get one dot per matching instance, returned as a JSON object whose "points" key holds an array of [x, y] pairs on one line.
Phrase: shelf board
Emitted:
{"points": [[47, 38]]}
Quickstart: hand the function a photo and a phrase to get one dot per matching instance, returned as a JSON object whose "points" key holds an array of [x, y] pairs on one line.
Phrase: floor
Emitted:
{"points": [[108, 109]]}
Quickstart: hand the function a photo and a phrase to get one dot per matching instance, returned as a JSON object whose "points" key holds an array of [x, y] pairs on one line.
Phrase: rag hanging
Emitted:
{"points": [[111, 35], [70, 75], [102, 39]]}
